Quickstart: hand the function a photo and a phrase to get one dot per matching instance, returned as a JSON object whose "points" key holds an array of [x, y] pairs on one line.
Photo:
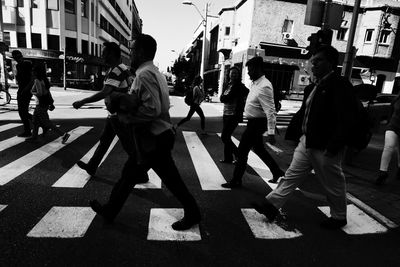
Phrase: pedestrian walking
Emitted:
{"points": [[147, 135], [41, 91], [234, 98], [328, 114], [24, 95], [118, 79], [261, 115], [391, 144], [194, 97]]}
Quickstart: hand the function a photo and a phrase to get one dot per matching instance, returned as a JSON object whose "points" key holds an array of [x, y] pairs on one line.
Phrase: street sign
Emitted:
{"points": [[315, 11]]}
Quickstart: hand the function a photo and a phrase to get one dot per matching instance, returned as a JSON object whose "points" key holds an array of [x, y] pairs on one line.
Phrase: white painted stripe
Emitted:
{"points": [[17, 167], [208, 173], [2, 207], [160, 226], [9, 126], [263, 229], [154, 181], [76, 177], [358, 222], [64, 222], [373, 213], [257, 165], [13, 141]]}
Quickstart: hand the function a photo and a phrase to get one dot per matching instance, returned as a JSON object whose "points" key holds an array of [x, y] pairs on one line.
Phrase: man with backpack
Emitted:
{"points": [[329, 112]]}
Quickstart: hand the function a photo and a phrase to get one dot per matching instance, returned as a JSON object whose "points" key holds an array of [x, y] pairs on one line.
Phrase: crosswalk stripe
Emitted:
{"points": [[154, 181], [358, 222], [8, 126], [76, 177], [257, 165], [209, 175], [13, 141], [2, 207], [263, 229], [17, 167], [64, 222], [160, 226]]}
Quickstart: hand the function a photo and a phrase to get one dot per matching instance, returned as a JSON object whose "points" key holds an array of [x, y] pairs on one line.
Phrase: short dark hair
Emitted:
{"points": [[113, 48], [234, 68], [16, 53], [256, 62], [331, 54], [197, 80], [148, 44]]}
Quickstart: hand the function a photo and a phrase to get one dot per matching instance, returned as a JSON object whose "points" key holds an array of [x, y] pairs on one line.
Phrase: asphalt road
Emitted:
{"points": [[45, 219]]}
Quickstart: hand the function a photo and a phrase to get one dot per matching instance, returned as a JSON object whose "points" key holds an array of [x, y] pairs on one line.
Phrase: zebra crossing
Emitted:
{"points": [[73, 222]]}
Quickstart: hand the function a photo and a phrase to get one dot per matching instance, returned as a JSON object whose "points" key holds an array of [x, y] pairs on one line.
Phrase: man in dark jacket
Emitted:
{"points": [[24, 95], [328, 116]]}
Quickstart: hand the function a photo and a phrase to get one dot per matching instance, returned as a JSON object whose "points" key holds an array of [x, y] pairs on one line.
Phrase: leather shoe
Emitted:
{"points": [[232, 184], [333, 224], [85, 166], [266, 209], [382, 177], [99, 209], [185, 223]]}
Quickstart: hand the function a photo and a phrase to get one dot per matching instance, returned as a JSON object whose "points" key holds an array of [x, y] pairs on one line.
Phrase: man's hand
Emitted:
{"points": [[271, 139], [77, 104]]}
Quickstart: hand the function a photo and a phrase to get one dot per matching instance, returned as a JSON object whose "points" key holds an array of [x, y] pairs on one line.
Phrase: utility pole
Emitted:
{"points": [[203, 53], [3, 50], [351, 50]]}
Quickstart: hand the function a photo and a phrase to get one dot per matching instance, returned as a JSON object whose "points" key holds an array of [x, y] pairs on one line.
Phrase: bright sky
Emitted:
{"points": [[172, 24]]}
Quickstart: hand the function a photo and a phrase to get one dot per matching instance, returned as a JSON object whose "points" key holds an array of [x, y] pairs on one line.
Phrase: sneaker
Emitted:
{"points": [[266, 209], [382, 176], [86, 167], [65, 138], [333, 224], [185, 223], [25, 134]]}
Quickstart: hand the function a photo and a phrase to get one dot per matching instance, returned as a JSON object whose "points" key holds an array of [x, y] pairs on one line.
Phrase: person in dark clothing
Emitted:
{"points": [[391, 144], [145, 131], [234, 98], [329, 112], [261, 114], [24, 95]]}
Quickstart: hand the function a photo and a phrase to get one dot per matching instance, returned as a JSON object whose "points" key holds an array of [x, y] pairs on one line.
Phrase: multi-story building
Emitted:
{"points": [[275, 30], [46, 29]]}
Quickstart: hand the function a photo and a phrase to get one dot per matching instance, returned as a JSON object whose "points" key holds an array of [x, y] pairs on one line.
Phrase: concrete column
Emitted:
{"points": [[78, 26], [28, 23]]}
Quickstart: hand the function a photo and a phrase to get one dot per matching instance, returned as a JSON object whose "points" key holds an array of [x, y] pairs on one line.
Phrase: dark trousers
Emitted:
{"points": [[194, 108], [162, 163], [230, 122], [106, 138], [253, 138], [23, 111]]}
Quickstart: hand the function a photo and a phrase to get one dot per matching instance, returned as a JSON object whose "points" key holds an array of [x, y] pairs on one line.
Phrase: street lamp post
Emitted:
{"points": [[203, 52]]}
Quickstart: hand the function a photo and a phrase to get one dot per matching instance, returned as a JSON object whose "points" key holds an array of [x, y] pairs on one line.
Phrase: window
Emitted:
{"points": [[384, 36], [53, 42], [92, 10], [35, 3], [70, 6], [84, 8], [70, 44], [52, 5], [103, 23], [20, 3], [36, 39], [6, 38], [287, 26], [342, 34], [368, 35], [85, 47], [227, 31], [21, 39], [92, 49]]}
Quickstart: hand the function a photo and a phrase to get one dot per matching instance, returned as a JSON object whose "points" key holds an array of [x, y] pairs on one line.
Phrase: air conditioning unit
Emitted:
{"points": [[304, 80], [287, 35]]}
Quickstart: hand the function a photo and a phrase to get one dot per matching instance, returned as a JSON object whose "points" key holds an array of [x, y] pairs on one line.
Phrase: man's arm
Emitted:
{"points": [[106, 91], [266, 98]]}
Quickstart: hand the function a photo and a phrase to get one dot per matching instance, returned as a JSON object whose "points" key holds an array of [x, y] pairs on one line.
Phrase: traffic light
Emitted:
{"points": [[322, 37]]}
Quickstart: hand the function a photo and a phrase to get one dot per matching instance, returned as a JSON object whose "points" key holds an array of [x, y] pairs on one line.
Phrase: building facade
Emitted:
{"points": [[48, 30]]}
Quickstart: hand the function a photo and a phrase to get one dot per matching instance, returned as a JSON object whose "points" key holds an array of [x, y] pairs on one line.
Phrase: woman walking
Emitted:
{"points": [[391, 144], [44, 100], [234, 98], [193, 98]]}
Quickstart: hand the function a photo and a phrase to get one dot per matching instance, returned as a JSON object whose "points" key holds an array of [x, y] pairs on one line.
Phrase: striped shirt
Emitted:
{"points": [[260, 103]]}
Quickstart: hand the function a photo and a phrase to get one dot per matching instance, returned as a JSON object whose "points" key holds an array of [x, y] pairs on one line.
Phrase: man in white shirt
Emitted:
{"points": [[261, 115]]}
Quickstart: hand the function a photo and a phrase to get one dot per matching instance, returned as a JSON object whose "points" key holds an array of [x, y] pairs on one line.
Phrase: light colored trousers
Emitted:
{"points": [[391, 145], [327, 169]]}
